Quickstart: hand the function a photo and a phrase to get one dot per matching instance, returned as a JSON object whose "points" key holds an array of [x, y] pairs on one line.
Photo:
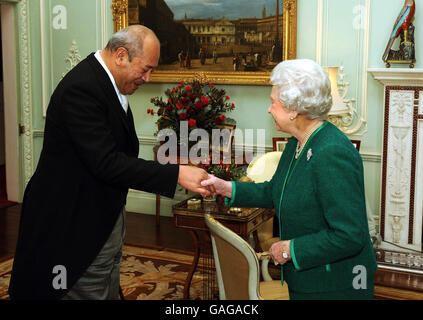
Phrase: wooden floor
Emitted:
{"points": [[140, 228]]}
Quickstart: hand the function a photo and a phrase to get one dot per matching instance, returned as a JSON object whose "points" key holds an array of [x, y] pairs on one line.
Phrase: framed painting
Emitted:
{"points": [[279, 143], [356, 144], [226, 139], [223, 42]]}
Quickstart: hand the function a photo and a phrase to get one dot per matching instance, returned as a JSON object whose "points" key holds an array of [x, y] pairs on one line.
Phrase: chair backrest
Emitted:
{"points": [[262, 169], [237, 265]]}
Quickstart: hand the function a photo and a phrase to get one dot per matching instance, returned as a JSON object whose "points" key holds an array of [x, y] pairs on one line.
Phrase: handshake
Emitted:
{"points": [[198, 180]]}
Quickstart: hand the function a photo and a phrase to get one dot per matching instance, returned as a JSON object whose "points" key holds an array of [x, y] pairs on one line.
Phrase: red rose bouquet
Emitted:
{"points": [[201, 104]]}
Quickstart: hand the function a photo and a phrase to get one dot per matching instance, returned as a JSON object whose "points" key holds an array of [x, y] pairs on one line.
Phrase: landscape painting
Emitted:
{"points": [[224, 39]]}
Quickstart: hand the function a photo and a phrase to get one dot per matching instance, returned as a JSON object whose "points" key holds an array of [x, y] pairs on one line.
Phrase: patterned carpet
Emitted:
{"points": [[146, 274]]}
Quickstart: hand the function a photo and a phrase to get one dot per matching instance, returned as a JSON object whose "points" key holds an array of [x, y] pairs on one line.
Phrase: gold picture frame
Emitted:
{"points": [[122, 15], [231, 127], [279, 143], [356, 144]]}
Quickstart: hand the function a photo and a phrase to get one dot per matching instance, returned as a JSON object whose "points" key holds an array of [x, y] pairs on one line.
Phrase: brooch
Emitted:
{"points": [[309, 154]]}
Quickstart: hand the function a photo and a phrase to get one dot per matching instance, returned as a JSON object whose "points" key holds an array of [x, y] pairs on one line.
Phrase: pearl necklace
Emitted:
{"points": [[300, 147]]}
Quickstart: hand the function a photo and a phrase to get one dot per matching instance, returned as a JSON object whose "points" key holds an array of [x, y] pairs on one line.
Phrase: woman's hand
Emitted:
{"points": [[218, 186], [281, 252], [190, 178]]}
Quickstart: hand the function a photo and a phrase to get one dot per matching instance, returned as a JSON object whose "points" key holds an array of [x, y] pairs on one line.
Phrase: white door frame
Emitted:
{"points": [[11, 101]]}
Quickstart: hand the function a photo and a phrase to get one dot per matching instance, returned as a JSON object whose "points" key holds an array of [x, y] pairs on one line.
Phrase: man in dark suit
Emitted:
{"points": [[73, 218]]}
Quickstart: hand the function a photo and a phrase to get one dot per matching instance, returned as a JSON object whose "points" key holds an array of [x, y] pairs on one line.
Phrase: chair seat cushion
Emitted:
{"points": [[273, 290]]}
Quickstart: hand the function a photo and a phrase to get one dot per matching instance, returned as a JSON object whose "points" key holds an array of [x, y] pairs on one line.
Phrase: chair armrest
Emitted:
{"points": [[264, 257]]}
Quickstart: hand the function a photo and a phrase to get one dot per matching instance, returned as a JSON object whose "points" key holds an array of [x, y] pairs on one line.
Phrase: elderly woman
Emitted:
{"points": [[317, 191]]}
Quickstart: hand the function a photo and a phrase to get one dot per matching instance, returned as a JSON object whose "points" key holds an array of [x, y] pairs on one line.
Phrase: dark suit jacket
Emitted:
{"points": [[88, 161]]}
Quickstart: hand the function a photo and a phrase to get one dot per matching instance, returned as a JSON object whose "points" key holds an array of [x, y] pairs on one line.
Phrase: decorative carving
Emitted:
{"points": [[399, 176], [400, 214], [345, 120], [398, 168], [73, 57], [401, 157], [401, 206], [397, 227], [401, 114], [289, 29], [120, 14]]}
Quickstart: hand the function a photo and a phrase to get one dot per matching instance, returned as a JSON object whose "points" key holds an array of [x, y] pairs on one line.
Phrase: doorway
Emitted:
{"points": [[8, 107], [4, 202]]}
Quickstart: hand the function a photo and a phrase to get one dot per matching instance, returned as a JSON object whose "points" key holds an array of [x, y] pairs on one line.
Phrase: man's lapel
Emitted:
{"points": [[115, 105], [108, 89], [134, 137]]}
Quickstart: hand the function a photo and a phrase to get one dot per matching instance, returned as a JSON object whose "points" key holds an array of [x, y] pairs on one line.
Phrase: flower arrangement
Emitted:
{"points": [[201, 104]]}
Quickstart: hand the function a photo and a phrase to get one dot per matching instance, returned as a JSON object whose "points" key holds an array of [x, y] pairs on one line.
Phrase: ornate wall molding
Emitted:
{"points": [[319, 31], [355, 122], [290, 29], [50, 54], [73, 57], [104, 23], [44, 87], [398, 76], [360, 127], [25, 88]]}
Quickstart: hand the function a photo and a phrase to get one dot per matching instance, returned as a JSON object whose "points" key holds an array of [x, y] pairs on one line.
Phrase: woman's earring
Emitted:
{"points": [[291, 118]]}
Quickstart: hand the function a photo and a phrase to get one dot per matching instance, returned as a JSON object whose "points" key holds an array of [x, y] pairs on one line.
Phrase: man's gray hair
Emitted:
{"points": [[304, 87], [131, 38]]}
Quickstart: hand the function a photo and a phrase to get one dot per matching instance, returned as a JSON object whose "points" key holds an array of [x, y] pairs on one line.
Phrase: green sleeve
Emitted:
{"points": [[252, 195], [294, 259], [339, 186], [229, 202]]}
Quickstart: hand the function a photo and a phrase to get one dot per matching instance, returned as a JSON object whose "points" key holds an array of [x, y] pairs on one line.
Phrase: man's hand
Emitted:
{"points": [[190, 178], [218, 186]]}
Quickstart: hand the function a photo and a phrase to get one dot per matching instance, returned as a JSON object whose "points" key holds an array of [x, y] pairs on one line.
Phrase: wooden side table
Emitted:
{"points": [[243, 223]]}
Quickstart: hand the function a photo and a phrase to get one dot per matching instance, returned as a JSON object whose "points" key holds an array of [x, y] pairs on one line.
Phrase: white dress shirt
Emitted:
{"points": [[122, 98]]}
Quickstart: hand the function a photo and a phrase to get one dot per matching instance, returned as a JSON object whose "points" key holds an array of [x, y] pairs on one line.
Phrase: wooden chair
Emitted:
{"points": [[238, 269], [262, 169]]}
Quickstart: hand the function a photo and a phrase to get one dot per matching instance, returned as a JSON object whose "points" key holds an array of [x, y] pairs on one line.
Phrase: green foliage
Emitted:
{"points": [[228, 172], [202, 105]]}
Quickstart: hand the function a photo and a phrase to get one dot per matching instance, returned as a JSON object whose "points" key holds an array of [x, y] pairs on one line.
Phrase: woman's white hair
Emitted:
{"points": [[304, 87]]}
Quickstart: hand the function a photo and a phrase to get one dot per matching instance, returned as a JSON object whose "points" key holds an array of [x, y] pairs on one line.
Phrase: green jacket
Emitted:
{"points": [[322, 212]]}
